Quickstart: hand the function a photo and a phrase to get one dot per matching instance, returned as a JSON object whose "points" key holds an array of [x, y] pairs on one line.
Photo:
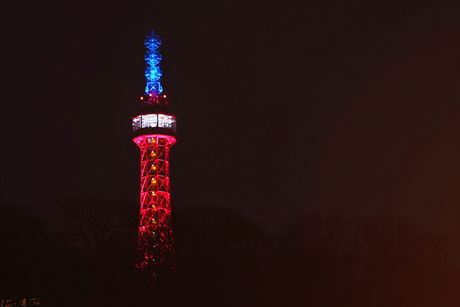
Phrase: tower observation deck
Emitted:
{"points": [[154, 130]]}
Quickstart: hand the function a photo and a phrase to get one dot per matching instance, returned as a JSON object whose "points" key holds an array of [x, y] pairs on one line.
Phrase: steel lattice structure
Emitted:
{"points": [[155, 245], [154, 133]]}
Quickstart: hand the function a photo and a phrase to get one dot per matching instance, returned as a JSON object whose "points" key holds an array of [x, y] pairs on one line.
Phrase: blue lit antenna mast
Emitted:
{"points": [[152, 71], [153, 93]]}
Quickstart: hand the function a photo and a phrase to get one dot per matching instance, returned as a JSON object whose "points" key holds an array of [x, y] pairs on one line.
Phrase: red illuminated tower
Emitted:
{"points": [[154, 133]]}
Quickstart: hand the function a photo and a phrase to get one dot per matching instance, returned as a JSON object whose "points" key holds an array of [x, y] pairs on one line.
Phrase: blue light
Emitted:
{"points": [[152, 59]]}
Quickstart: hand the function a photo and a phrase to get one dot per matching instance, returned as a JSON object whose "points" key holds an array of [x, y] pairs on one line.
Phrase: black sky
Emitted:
{"points": [[335, 106]]}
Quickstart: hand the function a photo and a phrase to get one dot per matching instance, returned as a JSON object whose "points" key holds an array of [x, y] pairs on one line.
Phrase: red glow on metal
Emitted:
{"points": [[154, 99], [155, 245]]}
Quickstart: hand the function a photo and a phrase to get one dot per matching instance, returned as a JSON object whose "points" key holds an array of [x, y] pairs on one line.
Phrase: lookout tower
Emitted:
{"points": [[154, 130]]}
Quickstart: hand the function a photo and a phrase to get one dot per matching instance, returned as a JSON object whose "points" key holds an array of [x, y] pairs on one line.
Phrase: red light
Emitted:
{"points": [[150, 95], [155, 236], [142, 98], [164, 96]]}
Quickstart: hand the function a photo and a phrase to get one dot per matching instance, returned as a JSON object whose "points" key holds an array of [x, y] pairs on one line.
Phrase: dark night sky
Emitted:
{"points": [[334, 106]]}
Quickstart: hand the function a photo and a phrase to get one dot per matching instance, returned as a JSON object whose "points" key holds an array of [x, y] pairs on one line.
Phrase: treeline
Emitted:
{"points": [[226, 259]]}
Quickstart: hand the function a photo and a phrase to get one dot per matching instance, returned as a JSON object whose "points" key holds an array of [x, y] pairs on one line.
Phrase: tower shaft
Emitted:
{"points": [[155, 245]]}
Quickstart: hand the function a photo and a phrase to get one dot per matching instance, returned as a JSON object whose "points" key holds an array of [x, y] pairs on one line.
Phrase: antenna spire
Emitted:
{"points": [[153, 71]]}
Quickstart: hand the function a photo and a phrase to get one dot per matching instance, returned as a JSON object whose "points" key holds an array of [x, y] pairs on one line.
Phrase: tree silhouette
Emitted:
{"points": [[226, 259]]}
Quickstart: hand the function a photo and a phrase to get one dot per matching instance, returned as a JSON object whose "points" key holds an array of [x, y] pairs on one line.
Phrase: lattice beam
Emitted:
{"points": [[155, 245]]}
